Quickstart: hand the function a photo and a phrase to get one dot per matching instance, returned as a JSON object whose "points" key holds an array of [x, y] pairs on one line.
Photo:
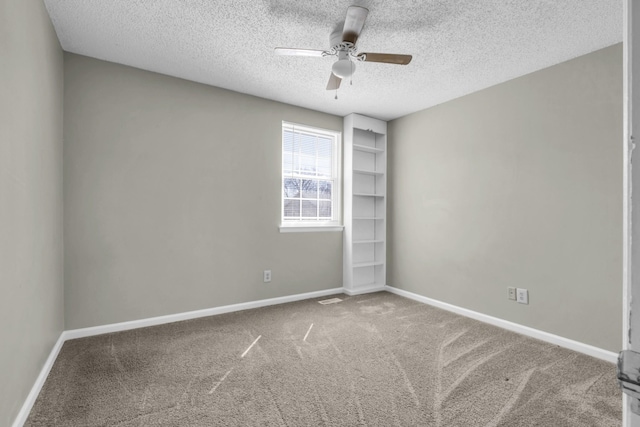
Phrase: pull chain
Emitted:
{"points": [[351, 76]]}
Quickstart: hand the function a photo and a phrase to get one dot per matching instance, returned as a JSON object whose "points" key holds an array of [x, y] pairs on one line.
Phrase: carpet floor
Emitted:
{"points": [[370, 360]]}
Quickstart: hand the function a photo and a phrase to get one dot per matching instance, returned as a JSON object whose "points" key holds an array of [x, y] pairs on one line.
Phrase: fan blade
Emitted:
{"points": [[353, 23], [387, 58], [334, 82], [298, 52]]}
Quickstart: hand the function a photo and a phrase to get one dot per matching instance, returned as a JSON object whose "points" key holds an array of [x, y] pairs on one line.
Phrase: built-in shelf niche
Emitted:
{"points": [[365, 203]]}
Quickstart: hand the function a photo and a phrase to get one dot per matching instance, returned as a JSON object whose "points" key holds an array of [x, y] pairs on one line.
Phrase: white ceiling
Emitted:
{"points": [[458, 46]]}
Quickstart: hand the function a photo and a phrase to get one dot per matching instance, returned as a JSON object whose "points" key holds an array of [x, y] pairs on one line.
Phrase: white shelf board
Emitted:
{"points": [[369, 285], [368, 195], [363, 172], [364, 288], [356, 242], [367, 149], [367, 264]]}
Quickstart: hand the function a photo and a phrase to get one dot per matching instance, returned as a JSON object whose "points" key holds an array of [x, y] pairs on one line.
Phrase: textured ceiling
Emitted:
{"points": [[458, 46]]}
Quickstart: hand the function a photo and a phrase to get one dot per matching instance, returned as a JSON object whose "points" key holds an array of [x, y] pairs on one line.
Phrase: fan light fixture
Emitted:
{"points": [[343, 68], [344, 47]]}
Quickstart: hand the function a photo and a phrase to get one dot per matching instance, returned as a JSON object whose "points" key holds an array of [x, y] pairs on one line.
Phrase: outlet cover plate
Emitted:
{"points": [[267, 276], [523, 296], [512, 293]]}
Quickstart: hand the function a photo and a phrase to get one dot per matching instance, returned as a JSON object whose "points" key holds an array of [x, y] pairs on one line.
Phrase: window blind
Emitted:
{"points": [[309, 175]]}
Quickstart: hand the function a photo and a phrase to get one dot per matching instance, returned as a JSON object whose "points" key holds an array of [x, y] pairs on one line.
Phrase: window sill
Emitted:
{"points": [[309, 228]]}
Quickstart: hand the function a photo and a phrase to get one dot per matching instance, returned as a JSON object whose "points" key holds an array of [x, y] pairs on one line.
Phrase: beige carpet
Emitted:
{"points": [[371, 360]]}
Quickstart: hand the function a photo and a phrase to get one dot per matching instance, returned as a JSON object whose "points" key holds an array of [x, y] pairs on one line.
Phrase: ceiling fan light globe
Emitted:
{"points": [[343, 68]]}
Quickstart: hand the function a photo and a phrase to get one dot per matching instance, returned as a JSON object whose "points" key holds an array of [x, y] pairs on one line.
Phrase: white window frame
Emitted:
{"points": [[335, 224]]}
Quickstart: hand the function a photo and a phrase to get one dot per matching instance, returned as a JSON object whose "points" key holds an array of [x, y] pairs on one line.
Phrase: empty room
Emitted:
{"points": [[327, 213]]}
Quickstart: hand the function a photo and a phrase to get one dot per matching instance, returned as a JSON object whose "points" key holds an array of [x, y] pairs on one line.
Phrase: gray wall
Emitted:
{"points": [[517, 185], [31, 278], [172, 198]]}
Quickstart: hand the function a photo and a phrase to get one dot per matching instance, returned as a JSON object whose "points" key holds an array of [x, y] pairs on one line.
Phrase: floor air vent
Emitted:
{"points": [[330, 301]]}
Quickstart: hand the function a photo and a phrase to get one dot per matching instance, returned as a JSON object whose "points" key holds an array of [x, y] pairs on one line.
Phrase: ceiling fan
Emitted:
{"points": [[343, 45]]}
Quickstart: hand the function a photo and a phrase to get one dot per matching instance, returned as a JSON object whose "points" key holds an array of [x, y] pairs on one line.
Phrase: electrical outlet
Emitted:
{"points": [[267, 276], [512, 293], [523, 296]]}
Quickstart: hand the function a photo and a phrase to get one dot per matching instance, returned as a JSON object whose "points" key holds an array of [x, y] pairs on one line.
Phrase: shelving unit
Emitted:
{"points": [[365, 204]]}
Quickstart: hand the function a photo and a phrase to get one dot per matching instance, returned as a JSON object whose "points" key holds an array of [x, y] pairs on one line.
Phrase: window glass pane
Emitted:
{"points": [[287, 162], [291, 188], [287, 141], [324, 190], [324, 167], [324, 147], [324, 208], [309, 208], [290, 162], [307, 165], [292, 208], [309, 189], [296, 163], [307, 144]]}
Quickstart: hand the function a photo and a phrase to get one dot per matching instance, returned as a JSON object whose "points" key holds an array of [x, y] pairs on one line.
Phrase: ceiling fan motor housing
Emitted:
{"points": [[344, 66]]}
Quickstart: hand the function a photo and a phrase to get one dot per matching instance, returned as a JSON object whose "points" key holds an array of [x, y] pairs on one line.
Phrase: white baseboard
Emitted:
{"points": [[152, 321], [364, 290], [37, 386], [587, 349]]}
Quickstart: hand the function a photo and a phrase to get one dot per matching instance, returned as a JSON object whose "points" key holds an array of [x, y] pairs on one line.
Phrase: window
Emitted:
{"points": [[310, 179]]}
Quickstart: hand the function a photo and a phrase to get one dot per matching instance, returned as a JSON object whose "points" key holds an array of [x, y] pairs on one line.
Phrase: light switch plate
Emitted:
{"points": [[512, 293]]}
